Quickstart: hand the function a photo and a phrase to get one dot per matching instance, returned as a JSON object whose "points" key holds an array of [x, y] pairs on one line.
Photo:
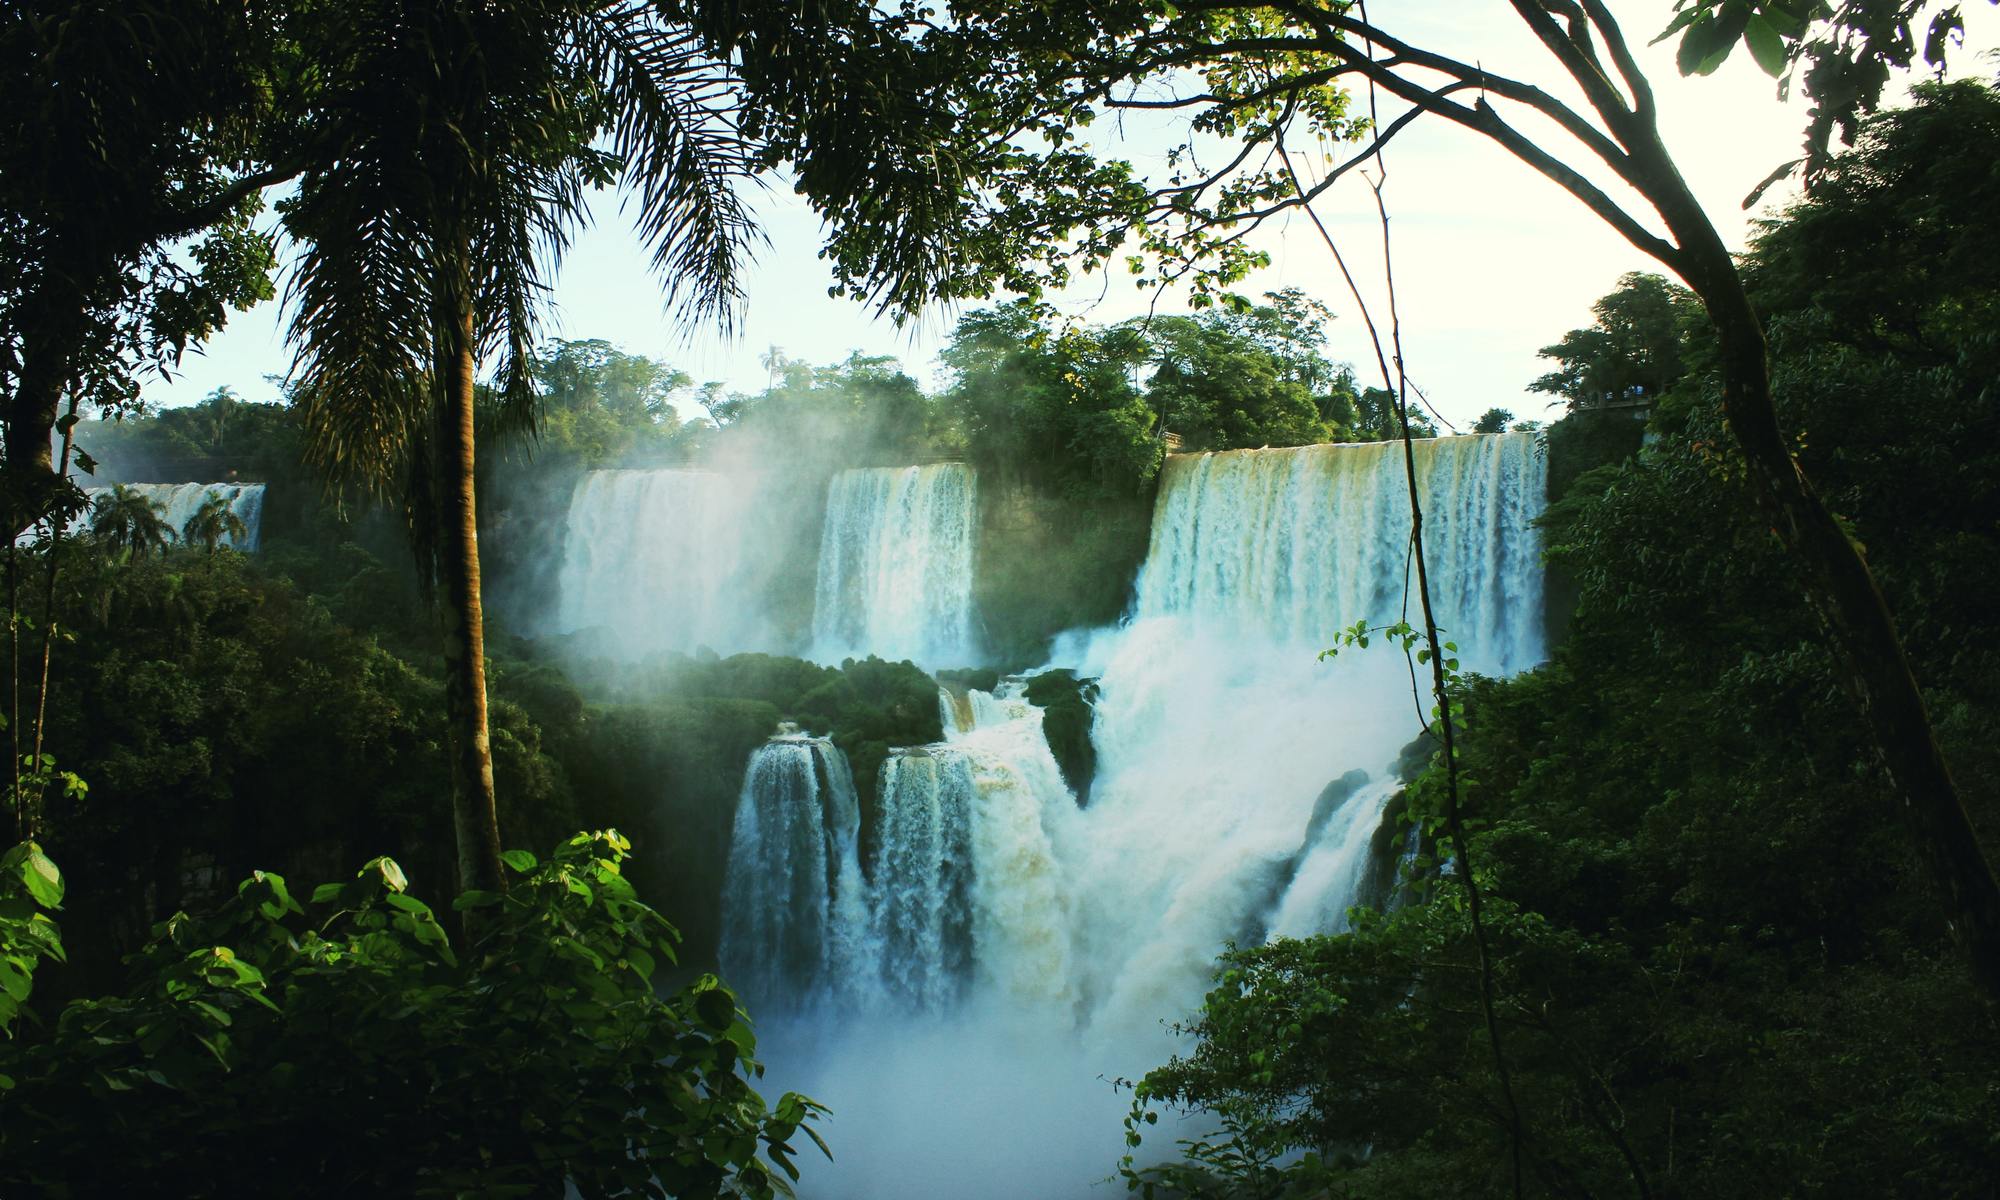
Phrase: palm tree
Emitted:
{"points": [[127, 521], [450, 156], [458, 143], [212, 522]]}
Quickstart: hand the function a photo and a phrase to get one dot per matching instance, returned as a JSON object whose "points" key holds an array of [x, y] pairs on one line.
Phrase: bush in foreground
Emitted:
{"points": [[342, 1047]]}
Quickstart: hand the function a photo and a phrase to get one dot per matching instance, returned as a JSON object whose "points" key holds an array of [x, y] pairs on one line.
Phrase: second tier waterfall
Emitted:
{"points": [[175, 503], [794, 911]]}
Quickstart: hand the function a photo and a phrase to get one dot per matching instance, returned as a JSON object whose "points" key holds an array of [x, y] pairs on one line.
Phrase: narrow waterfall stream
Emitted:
{"points": [[1019, 952]]}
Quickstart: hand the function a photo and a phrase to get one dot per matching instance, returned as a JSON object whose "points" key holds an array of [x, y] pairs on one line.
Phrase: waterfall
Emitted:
{"points": [[895, 565], [662, 560], [921, 878], [1021, 949], [792, 899], [177, 502], [1328, 879], [1296, 543]]}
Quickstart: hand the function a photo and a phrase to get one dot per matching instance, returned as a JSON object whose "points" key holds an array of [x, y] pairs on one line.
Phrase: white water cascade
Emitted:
{"points": [[662, 560], [1292, 544], [895, 565], [996, 1001], [793, 903]]}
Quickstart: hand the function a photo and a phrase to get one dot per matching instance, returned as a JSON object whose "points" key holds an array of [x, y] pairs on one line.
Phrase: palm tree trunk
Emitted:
{"points": [[473, 812]]}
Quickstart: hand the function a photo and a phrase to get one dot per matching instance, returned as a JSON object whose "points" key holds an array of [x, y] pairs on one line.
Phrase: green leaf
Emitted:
{"points": [[392, 875], [1766, 46], [520, 860], [408, 903], [14, 981], [716, 1008], [1682, 20], [44, 882]]}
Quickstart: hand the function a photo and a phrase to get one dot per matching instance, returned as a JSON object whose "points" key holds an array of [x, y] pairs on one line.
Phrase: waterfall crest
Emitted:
{"points": [[1295, 543], [895, 565]]}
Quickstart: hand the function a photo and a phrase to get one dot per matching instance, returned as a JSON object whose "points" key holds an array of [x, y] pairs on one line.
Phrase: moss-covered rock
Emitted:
{"points": [[1067, 711], [1045, 564]]}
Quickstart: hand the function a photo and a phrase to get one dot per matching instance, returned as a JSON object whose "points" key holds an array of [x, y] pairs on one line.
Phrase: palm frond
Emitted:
{"points": [[674, 127]]}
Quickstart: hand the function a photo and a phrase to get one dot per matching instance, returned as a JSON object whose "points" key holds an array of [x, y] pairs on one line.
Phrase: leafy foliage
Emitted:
{"points": [[244, 1038], [225, 718], [29, 884], [1235, 378], [130, 129], [1632, 351], [1849, 53]]}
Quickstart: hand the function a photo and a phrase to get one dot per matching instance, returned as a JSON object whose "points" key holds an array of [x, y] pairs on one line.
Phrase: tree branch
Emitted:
{"points": [[193, 221]]}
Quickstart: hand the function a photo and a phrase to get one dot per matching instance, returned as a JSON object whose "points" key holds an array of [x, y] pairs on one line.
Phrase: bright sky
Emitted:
{"points": [[1492, 261]]}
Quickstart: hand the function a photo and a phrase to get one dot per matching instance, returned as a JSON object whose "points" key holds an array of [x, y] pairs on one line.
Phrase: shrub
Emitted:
{"points": [[343, 1047]]}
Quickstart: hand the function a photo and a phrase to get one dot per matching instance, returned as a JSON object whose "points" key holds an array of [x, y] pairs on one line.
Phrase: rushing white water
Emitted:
{"points": [[895, 565], [920, 923], [1052, 963], [792, 897], [1328, 878], [1292, 544], [662, 560]]}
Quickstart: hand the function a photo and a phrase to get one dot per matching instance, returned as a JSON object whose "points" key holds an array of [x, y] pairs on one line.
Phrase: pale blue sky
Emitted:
{"points": [[1492, 261]]}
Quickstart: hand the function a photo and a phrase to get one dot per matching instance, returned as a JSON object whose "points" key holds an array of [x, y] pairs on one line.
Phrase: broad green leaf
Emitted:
{"points": [[716, 1008], [519, 860], [392, 875], [408, 903], [15, 981], [44, 882], [1766, 46]]}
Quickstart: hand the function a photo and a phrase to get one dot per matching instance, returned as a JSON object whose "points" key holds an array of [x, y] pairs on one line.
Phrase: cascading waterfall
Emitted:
{"points": [[895, 565], [793, 904], [1022, 950], [660, 559], [1328, 879], [1295, 543], [921, 879], [177, 502]]}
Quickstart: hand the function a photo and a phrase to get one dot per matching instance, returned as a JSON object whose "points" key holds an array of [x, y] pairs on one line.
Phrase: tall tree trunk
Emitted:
{"points": [[1837, 583], [474, 815], [56, 328]]}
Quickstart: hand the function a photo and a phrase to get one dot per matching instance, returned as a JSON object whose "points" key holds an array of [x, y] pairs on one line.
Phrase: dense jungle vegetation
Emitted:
{"points": [[1718, 959]]}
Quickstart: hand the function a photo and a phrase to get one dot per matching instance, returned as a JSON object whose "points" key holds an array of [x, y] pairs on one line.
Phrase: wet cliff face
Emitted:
{"points": [[1045, 563]]}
